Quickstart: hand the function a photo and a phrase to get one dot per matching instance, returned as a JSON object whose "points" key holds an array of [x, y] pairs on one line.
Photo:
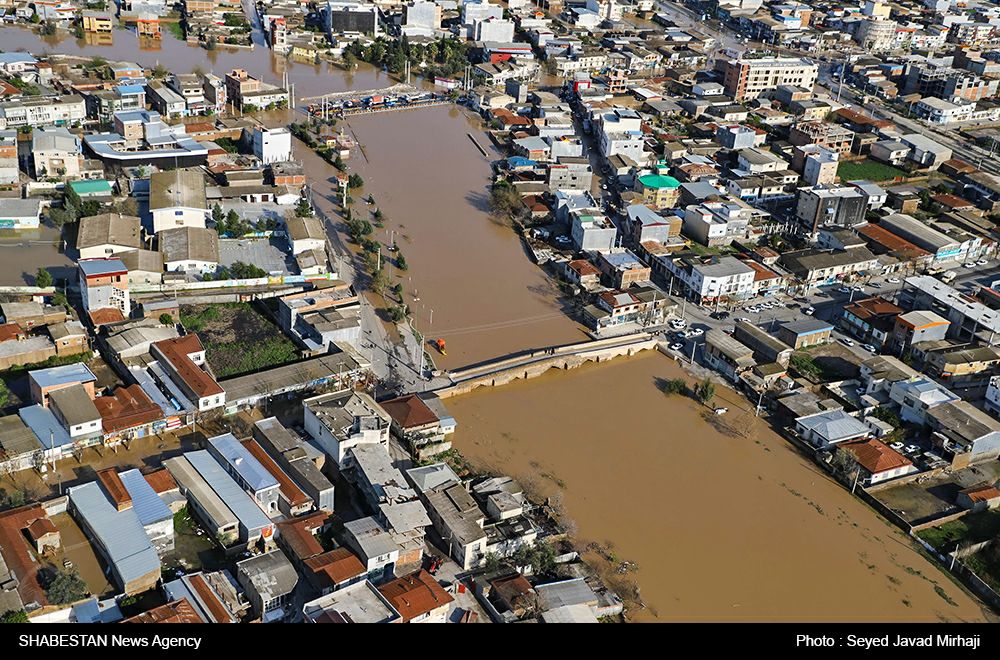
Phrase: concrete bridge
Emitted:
{"points": [[535, 363]]}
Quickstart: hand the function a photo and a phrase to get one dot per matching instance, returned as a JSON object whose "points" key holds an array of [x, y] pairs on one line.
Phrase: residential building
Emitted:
{"points": [[831, 427], [55, 153], [103, 235], [418, 598], [177, 199], [183, 362], [340, 421], [877, 461], [104, 286], [269, 580], [746, 79]]}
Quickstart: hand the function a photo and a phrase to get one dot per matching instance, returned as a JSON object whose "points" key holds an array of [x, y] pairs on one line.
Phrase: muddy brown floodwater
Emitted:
{"points": [[722, 527], [431, 183]]}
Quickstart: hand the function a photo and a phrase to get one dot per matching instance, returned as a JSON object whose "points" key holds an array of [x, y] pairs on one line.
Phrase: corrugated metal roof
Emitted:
{"points": [[199, 490], [68, 373], [120, 533], [242, 461], [241, 504], [145, 502], [49, 431]]}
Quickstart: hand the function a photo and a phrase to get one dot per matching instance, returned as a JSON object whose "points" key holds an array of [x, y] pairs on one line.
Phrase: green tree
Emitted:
{"points": [[705, 391], [355, 181], [66, 587], [380, 281], [303, 209], [14, 616], [674, 386], [401, 262], [12, 499], [4, 394], [217, 215], [43, 278], [166, 319]]}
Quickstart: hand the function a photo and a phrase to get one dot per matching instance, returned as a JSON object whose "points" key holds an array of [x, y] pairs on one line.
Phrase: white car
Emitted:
{"points": [[678, 323], [743, 319], [912, 449], [847, 342], [897, 445], [695, 332], [677, 346], [843, 289], [809, 311], [969, 264], [982, 262], [893, 280], [868, 347]]}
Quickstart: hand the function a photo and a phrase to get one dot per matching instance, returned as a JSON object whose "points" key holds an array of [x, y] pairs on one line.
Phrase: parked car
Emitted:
{"points": [[847, 342], [897, 446], [869, 348], [875, 285], [676, 346], [695, 332], [912, 449], [893, 280], [843, 289], [969, 264], [742, 318], [982, 262], [809, 311]]}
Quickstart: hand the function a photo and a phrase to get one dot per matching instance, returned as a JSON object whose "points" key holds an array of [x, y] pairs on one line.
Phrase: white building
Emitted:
{"points": [[341, 421], [272, 145]]}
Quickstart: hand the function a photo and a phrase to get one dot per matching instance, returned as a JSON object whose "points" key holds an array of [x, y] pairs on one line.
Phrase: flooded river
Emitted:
{"points": [[431, 183], [722, 527]]}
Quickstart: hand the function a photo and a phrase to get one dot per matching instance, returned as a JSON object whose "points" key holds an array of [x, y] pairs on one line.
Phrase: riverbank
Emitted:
{"points": [[723, 526]]}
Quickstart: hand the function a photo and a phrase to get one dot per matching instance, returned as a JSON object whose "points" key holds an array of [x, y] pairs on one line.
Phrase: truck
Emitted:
{"points": [[948, 276]]}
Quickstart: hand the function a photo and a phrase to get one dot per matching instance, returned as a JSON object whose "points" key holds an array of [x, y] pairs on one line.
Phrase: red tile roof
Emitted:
{"points": [[415, 594], [161, 481], [17, 553], [982, 493], [298, 534], [409, 411], [177, 352], [876, 456], [99, 317], [10, 331], [873, 307], [128, 407], [178, 611], [335, 567], [892, 242]]}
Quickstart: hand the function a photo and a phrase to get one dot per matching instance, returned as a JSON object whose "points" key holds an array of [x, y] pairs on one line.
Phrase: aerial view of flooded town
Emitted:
{"points": [[480, 311]]}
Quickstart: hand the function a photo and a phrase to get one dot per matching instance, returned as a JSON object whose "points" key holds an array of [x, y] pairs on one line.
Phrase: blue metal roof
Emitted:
{"points": [[65, 374], [119, 533], [43, 423], [145, 502], [10, 58], [96, 267], [242, 461], [241, 504], [129, 89]]}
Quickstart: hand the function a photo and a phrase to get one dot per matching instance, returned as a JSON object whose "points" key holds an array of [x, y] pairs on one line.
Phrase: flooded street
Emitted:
{"points": [[309, 79], [723, 528], [431, 183]]}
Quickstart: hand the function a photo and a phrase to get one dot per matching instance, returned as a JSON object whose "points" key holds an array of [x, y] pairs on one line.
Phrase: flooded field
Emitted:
{"points": [[723, 526], [432, 185]]}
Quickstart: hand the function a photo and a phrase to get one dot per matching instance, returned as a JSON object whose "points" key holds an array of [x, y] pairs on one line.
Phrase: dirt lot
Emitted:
{"points": [[238, 339], [78, 550], [935, 496]]}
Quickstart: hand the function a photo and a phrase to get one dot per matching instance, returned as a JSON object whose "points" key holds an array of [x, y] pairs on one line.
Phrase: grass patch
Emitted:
{"points": [[174, 28], [238, 339], [973, 528], [869, 170]]}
